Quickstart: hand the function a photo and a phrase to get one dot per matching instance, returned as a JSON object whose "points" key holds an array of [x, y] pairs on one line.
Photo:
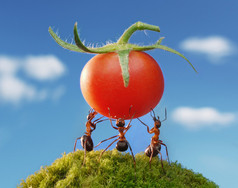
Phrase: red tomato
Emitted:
{"points": [[102, 85]]}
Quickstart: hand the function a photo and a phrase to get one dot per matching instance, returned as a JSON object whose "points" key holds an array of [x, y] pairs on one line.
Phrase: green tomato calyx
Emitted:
{"points": [[121, 47]]}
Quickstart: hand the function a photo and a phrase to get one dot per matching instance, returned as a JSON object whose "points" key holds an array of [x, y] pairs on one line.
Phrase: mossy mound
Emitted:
{"points": [[114, 170]]}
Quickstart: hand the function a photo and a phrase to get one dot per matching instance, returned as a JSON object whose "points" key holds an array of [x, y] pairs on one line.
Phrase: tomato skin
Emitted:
{"points": [[102, 85]]}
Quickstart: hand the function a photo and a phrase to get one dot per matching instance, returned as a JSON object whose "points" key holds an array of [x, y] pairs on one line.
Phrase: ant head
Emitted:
{"points": [[157, 124], [120, 122], [90, 116], [156, 118]]}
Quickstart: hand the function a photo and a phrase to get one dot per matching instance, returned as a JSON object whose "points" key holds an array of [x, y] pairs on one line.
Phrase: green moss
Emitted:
{"points": [[114, 170]]}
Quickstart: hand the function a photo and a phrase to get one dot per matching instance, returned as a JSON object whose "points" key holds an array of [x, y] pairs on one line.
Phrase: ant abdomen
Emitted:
{"points": [[122, 145], [89, 142], [156, 150]]}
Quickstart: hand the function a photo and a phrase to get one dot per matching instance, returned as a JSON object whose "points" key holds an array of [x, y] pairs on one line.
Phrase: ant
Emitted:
{"points": [[122, 144], [155, 146], [86, 139]]}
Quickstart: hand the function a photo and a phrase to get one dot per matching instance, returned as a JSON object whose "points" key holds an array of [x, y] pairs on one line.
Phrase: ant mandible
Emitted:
{"points": [[122, 144], [155, 146], [86, 139]]}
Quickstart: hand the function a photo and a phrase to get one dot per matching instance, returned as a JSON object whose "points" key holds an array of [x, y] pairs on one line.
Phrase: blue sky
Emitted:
{"points": [[42, 110]]}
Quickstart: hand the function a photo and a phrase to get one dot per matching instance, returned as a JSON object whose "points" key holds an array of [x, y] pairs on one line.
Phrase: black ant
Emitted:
{"points": [[155, 146], [86, 139], [122, 144]]}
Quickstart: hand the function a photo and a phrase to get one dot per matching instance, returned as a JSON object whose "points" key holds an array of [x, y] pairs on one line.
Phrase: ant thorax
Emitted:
{"points": [[121, 132], [89, 127], [156, 134]]}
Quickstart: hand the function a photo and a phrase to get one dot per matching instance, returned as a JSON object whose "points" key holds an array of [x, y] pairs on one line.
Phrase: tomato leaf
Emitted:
{"points": [[100, 50], [160, 40], [124, 63], [175, 52], [80, 47], [79, 42], [62, 43]]}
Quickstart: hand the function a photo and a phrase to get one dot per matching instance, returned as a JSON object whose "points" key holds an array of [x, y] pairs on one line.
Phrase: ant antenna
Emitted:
{"points": [[153, 116], [130, 110], [131, 118], [165, 114]]}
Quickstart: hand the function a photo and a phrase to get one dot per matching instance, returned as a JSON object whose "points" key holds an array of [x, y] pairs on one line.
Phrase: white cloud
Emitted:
{"points": [[8, 66], [202, 117], [44, 67], [215, 47], [14, 89]]}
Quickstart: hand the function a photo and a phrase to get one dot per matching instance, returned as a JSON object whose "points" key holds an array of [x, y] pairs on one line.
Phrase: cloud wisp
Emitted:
{"points": [[214, 47], [195, 118], [44, 67], [14, 89]]}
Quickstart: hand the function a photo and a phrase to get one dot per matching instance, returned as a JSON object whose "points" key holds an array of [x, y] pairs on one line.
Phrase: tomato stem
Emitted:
{"points": [[136, 26]]}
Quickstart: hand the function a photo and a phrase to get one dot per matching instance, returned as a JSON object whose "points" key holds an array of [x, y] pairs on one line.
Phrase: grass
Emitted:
{"points": [[114, 170]]}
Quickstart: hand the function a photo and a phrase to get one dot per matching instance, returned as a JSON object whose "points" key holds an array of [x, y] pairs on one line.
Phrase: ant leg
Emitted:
{"points": [[105, 140], [148, 129], [130, 111], [109, 112], [111, 119], [94, 123], [128, 126], [166, 151], [112, 125], [97, 119], [107, 148], [132, 155], [92, 111], [84, 158], [76, 143], [161, 159], [100, 121], [165, 114], [151, 155]]}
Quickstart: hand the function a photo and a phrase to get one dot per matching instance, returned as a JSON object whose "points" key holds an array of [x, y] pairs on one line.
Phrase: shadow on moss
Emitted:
{"points": [[115, 170]]}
